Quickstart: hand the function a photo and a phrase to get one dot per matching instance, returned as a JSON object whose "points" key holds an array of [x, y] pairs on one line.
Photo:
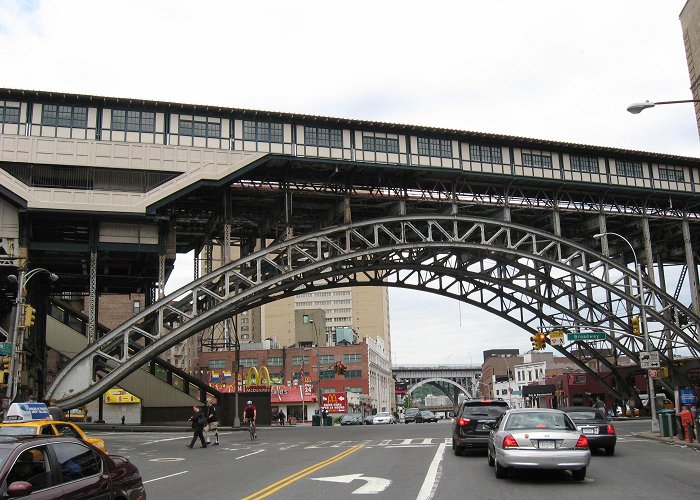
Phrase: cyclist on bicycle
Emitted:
{"points": [[250, 413]]}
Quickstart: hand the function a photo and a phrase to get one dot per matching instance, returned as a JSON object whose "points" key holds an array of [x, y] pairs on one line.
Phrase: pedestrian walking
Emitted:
{"points": [[199, 421], [281, 417], [599, 404], [212, 423]]}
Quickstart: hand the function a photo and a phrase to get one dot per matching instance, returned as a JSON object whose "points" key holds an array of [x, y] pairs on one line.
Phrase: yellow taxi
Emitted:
{"points": [[30, 419]]}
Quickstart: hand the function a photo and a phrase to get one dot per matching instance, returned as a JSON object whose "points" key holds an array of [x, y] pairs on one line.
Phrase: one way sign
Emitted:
{"points": [[649, 360]]}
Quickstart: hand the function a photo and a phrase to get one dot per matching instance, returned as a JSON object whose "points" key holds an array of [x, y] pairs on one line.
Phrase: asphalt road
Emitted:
{"points": [[392, 462]]}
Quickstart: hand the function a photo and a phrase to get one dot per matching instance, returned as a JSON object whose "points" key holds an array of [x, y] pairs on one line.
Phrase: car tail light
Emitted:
{"points": [[463, 421], [582, 443], [611, 429], [510, 442]]}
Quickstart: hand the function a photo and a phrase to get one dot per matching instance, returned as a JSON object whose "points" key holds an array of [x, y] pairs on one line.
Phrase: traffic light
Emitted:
{"points": [[5, 372], [6, 362], [539, 341], [635, 325], [29, 315], [340, 369]]}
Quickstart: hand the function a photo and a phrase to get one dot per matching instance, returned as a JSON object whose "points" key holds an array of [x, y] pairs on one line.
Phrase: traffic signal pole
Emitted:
{"points": [[11, 391]]}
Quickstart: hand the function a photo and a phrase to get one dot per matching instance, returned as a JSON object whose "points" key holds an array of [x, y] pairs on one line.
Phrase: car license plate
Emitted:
{"points": [[589, 430], [546, 443]]}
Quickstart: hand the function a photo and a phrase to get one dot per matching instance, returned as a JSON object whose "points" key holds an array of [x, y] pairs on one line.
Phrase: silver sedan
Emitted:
{"points": [[537, 438], [383, 418]]}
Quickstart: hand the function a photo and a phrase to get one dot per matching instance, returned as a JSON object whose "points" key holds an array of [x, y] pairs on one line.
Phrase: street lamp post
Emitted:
{"points": [[638, 107], [510, 390], [642, 314], [22, 279], [318, 372]]}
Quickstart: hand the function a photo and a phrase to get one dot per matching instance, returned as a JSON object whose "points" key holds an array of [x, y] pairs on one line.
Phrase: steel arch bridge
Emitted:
{"points": [[443, 384], [527, 276]]}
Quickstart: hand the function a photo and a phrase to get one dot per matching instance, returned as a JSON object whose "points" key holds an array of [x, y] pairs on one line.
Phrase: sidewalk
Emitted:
{"points": [[669, 440]]}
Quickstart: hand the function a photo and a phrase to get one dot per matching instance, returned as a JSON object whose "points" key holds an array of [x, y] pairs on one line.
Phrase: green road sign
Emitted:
{"points": [[586, 336], [327, 373], [5, 348]]}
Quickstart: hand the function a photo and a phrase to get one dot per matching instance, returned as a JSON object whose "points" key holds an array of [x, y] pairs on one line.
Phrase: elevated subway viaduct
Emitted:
{"points": [[106, 192]]}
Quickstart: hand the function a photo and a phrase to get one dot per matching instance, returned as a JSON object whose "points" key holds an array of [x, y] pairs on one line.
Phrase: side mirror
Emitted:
{"points": [[19, 489]]}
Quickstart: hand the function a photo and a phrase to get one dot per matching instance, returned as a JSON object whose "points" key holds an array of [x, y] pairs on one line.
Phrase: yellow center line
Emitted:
{"points": [[274, 487]]}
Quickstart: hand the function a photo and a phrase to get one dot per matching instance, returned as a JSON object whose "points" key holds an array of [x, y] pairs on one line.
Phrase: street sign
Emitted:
{"points": [[586, 336], [556, 337], [335, 402], [649, 359], [327, 373], [5, 348]]}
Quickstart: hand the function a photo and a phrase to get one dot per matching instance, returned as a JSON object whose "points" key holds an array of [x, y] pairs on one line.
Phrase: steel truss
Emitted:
{"points": [[530, 277]]}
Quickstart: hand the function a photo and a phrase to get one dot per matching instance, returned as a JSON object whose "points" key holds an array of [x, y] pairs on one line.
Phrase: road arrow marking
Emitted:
{"points": [[373, 485]]}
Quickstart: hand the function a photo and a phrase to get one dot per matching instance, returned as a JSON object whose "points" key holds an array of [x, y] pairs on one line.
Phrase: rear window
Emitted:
{"points": [[584, 415], [412, 411], [487, 411], [539, 420]]}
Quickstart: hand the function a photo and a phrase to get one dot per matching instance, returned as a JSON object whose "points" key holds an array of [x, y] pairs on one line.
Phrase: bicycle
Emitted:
{"points": [[251, 429]]}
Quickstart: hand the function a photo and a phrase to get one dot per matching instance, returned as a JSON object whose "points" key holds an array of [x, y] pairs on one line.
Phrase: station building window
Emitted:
{"points": [[537, 160], [587, 164], [485, 154], [353, 374], [262, 131], [352, 358], [198, 128], [64, 116], [330, 138], [629, 168], [248, 362], [275, 361], [380, 144], [297, 360], [671, 174], [217, 363], [9, 113], [133, 121], [326, 359], [434, 147]]}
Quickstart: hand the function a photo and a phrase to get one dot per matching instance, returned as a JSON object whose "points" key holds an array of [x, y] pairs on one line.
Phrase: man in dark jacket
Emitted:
{"points": [[212, 422], [199, 420]]}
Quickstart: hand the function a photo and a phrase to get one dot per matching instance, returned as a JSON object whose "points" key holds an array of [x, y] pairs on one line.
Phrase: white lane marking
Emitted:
{"points": [[165, 477], [342, 443], [431, 478], [167, 439], [411, 446], [406, 441], [166, 460], [385, 442], [249, 454], [427, 441]]}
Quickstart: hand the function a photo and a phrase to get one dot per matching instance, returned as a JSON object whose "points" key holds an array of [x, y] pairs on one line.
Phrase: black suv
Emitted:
{"points": [[473, 421], [410, 414]]}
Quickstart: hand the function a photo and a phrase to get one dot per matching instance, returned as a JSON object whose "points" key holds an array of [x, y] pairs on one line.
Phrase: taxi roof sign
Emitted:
{"points": [[26, 412]]}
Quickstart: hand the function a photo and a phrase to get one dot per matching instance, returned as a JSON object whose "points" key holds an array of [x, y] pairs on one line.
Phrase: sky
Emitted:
{"points": [[552, 70]]}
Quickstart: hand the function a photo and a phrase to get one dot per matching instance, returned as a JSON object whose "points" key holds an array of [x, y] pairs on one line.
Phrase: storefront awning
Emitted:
{"points": [[539, 390]]}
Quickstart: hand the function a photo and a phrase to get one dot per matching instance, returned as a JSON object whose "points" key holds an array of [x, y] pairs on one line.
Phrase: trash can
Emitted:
{"points": [[316, 420], [328, 421], [667, 423]]}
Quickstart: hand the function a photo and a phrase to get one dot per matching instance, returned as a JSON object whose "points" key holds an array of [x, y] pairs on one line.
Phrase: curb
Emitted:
{"points": [[667, 440]]}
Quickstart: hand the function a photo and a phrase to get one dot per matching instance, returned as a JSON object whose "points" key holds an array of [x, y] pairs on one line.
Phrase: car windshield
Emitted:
{"points": [[17, 431], [412, 411], [583, 415], [351, 416], [539, 420], [489, 411], [382, 414]]}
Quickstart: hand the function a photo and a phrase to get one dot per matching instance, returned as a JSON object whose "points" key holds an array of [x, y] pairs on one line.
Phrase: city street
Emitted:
{"points": [[395, 461]]}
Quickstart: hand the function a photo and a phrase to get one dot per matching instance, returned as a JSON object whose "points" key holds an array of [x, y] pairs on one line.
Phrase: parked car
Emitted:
{"points": [[410, 415], [537, 438], [65, 467], [426, 416], [593, 423], [473, 422], [383, 417], [352, 419], [369, 419]]}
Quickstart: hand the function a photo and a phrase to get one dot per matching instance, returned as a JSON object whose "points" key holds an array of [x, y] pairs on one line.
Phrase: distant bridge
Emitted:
{"points": [[450, 379]]}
